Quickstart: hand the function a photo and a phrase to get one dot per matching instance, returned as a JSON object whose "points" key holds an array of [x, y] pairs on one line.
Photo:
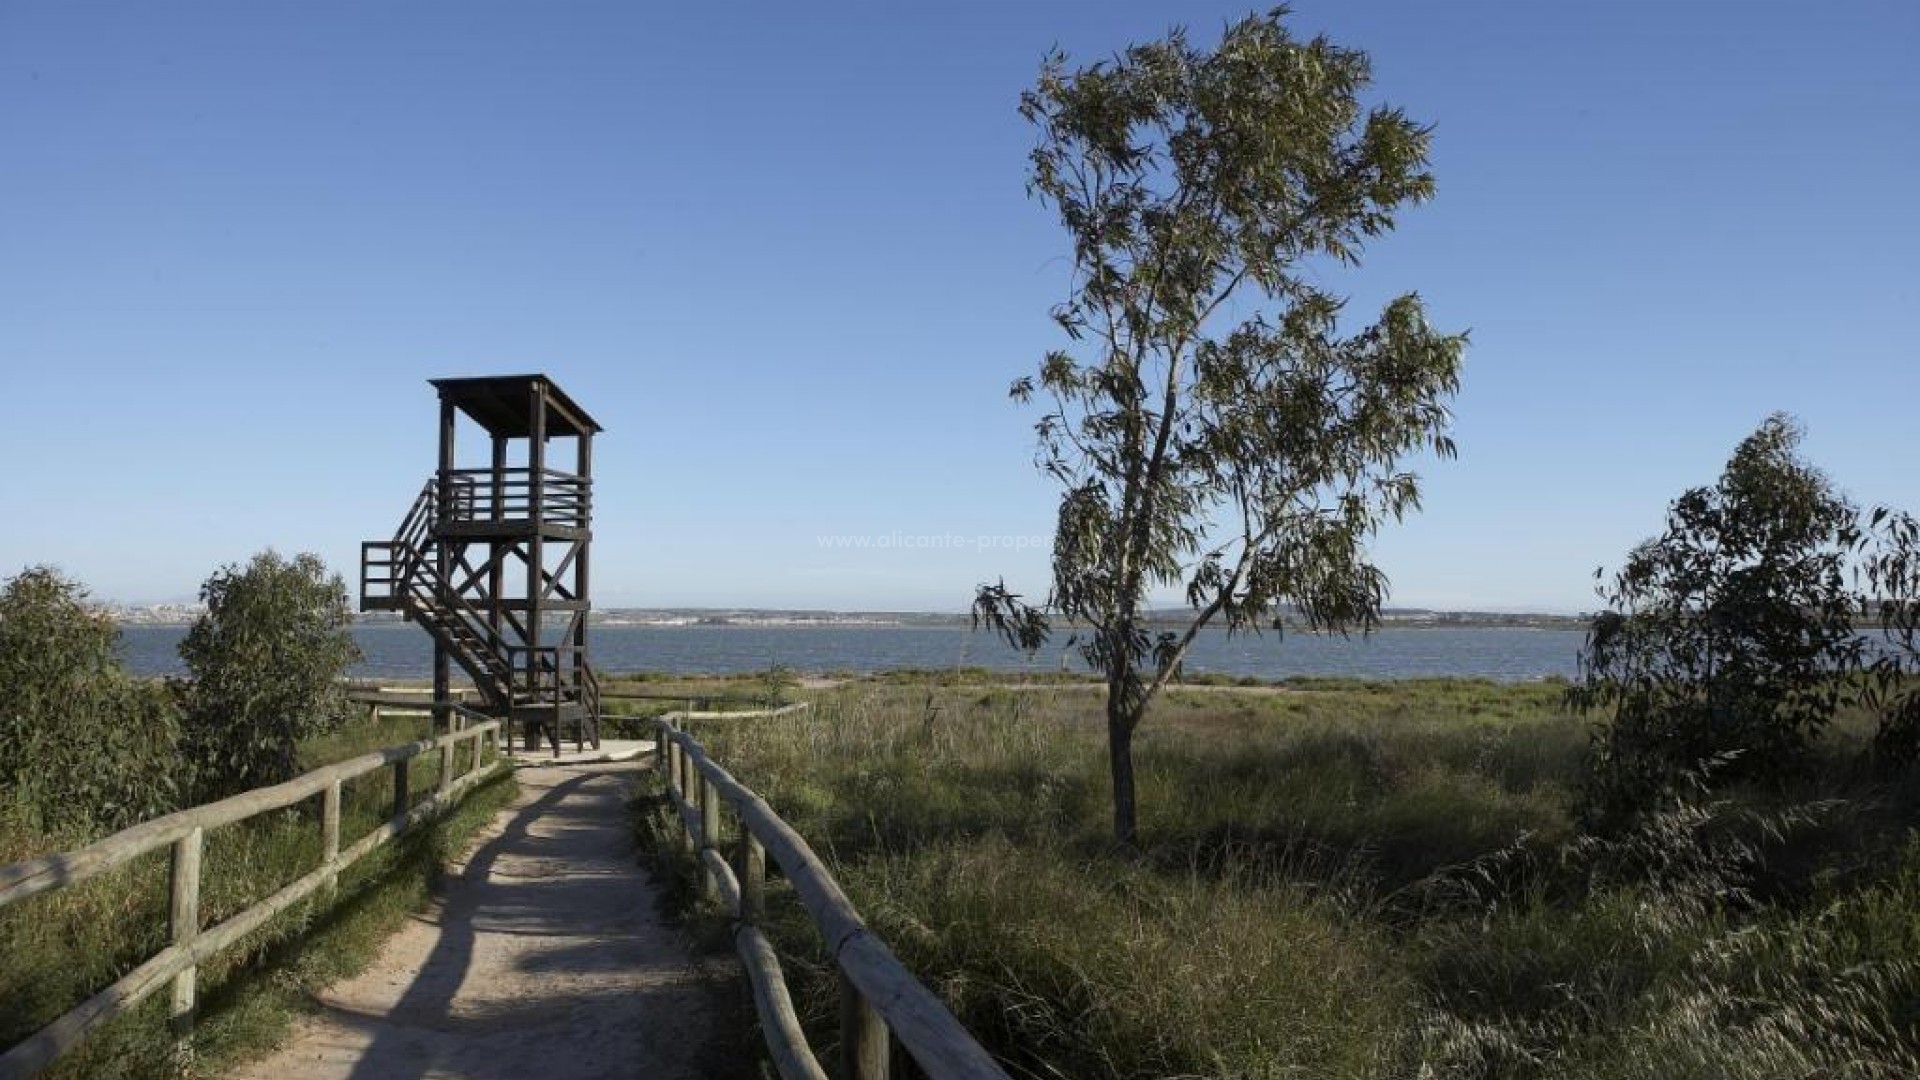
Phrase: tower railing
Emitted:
{"points": [[401, 575], [506, 497]]}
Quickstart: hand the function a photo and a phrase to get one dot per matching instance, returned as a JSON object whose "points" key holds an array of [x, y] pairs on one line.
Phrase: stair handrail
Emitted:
{"points": [[411, 567], [427, 594]]}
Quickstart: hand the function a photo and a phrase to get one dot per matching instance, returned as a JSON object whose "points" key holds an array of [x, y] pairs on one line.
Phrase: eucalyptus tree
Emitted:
{"points": [[267, 660], [1213, 424], [1729, 641], [1889, 573], [85, 748]]}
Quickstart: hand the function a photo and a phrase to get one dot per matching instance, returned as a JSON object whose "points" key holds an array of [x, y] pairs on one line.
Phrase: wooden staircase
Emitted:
{"points": [[532, 684]]}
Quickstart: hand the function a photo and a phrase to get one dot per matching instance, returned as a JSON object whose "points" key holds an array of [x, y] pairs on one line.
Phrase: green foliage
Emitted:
{"points": [[63, 946], [1345, 880], [1730, 636], [1891, 573], [777, 682], [84, 748], [1247, 462], [266, 661]]}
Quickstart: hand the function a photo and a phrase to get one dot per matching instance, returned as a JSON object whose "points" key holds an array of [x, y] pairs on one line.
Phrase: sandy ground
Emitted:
{"points": [[542, 957]]}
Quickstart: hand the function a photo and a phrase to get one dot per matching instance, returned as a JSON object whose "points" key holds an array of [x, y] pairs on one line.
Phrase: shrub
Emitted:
{"points": [[267, 659], [83, 746], [1730, 634]]}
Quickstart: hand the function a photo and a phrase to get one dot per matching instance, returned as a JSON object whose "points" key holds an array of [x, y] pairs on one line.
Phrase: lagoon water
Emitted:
{"points": [[1508, 654]]}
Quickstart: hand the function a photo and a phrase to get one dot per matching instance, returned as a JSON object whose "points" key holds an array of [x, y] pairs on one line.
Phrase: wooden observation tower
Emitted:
{"points": [[492, 560]]}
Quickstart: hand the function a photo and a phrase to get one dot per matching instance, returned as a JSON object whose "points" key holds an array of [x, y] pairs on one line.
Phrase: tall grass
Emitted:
{"points": [[1343, 880], [61, 947]]}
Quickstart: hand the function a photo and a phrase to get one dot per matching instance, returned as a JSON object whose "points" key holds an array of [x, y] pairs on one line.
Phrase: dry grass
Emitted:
{"points": [[1343, 880]]}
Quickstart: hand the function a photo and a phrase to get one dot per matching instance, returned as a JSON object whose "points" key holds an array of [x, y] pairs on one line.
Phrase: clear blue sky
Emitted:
{"points": [[784, 253]]}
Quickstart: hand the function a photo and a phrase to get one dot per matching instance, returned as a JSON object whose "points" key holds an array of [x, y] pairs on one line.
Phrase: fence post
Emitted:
{"points": [[863, 1035], [690, 791], [330, 832], [402, 787], [681, 765], [709, 832], [700, 793], [750, 867], [446, 767], [184, 917]]}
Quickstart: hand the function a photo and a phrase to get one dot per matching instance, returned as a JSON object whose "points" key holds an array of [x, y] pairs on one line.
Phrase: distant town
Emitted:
{"points": [[182, 614]]}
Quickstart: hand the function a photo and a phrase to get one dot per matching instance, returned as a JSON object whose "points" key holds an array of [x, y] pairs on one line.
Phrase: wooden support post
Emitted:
{"points": [[750, 868], [184, 917], [863, 1036], [446, 768], [697, 794], [402, 787], [689, 791], [710, 830], [330, 831]]}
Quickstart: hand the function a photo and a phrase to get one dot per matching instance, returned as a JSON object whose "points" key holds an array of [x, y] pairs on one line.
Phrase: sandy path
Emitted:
{"points": [[542, 957]]}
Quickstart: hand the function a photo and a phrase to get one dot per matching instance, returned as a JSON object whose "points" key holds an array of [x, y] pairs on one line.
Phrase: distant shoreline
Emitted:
{"points": [[680, 619]]}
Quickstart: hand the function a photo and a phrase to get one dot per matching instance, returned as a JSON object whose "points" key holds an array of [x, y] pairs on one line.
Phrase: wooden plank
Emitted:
{"points": [[726, 888], [402, 786], [786, 1043], [740, 714], [864, 1048], [689, 820], [30, 877], [41, 1049], [710, 836], [750, 873], [183, 916], [922, 1023], [918, 1018], [330, 828]]}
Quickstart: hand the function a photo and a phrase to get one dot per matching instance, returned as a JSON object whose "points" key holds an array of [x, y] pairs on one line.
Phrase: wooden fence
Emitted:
{"points": [[879, 998], [186, 831]]}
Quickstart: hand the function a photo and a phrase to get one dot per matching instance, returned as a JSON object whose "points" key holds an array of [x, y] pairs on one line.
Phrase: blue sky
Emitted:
{"points": [[784, 253]]}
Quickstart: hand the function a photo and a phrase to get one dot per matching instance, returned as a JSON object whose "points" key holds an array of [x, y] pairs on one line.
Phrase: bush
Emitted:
{"points": [[83, 746], [1730, 635], [267, 660]]}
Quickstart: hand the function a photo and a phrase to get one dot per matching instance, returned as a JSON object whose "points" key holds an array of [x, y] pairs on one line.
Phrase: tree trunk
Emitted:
{"points": [[1120, 727]]}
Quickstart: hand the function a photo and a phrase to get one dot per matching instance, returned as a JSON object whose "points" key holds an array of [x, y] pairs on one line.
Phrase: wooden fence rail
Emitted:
{"points": [[185, 832], [879, 998]]}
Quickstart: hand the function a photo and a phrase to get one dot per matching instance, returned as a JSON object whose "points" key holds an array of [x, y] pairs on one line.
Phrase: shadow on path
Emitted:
{"points": [[542, 957]]}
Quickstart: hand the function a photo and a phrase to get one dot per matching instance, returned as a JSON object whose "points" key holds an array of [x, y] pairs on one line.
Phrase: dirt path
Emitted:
{"points": [[542, 957]]}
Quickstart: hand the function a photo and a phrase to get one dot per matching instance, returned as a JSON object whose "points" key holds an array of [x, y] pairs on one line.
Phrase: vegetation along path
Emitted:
{"points": [[542, 956]]}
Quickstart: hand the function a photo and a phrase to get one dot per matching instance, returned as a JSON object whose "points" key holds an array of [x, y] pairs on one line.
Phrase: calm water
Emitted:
{"points": [[402, 651]]}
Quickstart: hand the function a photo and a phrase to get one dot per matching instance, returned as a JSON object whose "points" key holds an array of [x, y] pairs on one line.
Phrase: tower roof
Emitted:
{"points": [[503, 405]]}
